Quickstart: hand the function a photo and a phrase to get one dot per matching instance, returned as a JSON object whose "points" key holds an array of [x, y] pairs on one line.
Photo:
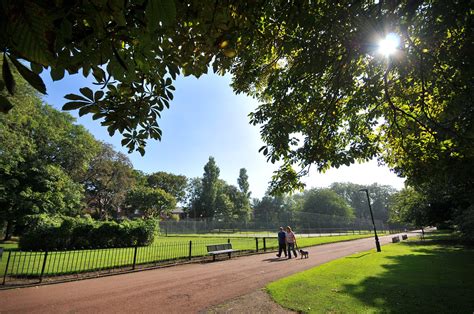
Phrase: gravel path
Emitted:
{"points": [[191, 288]]}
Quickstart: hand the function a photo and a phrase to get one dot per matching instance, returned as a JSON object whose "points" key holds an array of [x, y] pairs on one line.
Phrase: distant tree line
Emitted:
{"points": [[339, 204]]}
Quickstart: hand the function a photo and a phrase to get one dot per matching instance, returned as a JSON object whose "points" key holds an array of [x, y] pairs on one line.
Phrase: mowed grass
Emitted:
{"points": [[163, 249], [9, 245], [410, 277]]}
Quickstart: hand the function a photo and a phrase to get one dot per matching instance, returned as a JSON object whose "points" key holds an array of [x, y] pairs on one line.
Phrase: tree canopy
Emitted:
{"points": [[328, 98], [315, 69], [327, 202], [42, 158], [170, 183]]}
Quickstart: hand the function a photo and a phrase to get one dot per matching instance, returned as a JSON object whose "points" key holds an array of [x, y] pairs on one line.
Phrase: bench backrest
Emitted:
{"points": [[219, 247]]}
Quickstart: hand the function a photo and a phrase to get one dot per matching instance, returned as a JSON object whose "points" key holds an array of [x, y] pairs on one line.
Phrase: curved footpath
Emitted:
{"points": [[186, 288]]}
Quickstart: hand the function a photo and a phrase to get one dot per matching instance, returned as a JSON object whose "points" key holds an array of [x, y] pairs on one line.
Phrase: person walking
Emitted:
{"points": [[281, 242], [291, 241]]}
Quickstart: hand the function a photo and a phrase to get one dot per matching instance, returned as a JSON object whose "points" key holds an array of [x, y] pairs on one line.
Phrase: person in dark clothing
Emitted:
{"points": [[281, 242]]}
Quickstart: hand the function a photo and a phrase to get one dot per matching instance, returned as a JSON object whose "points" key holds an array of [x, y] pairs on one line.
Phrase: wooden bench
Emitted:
{"points": [[396, 239], [217, 249]]}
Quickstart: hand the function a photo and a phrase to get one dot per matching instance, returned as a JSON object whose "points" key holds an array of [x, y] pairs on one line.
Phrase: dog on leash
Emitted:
{"points": [[304, 254]]}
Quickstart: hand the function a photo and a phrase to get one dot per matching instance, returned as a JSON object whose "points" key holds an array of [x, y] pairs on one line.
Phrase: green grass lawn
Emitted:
{"points": [[163, 249], [410, 277], [8, 245]]}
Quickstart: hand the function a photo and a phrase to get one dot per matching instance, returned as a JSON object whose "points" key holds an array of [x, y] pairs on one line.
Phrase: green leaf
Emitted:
{"points": [[125, 141], [98, 74], [35, 67], [160, 11], [8, 77], [98, 95], [57, 73], [73, 105], [31, 77], [84, 110], [31, 29], [5, 104], [86, 91], [119, 59], [75, 97], [111, 129]]}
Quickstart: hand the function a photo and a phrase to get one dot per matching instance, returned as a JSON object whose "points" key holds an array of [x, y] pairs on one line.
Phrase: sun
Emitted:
{"points": [[388, 46]]}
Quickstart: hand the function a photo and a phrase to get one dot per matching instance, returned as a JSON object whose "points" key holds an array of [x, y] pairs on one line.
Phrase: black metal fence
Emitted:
{"points": [[26, 267]]}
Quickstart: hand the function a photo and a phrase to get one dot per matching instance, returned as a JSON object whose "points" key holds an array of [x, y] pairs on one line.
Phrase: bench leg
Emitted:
{"points": [[213, 257], [229, 255]]}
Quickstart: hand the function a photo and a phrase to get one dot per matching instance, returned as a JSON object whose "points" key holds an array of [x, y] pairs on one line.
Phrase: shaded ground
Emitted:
{"points": [[182, 289]]}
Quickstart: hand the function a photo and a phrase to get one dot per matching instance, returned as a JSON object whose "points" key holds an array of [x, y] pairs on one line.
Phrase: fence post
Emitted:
{"points": [[228, 240], [190, 249], [256, 244], [264, 244], [135, 257], [44, 265], [6, 267]]}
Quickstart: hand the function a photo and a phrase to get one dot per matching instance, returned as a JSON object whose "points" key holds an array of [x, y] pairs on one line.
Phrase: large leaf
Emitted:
{"points": [[30, 29], [72, 105], [37, 68], [160, 11], [86, 91], [31, 77], [5, 104], [8, 77], [57, 73], [75, 97]]}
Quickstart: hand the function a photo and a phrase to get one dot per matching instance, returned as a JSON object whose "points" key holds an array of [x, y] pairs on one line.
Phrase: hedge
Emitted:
{"points": [[46, 232]]}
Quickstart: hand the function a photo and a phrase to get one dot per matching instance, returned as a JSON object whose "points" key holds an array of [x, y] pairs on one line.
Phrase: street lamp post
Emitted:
{"points": [[377, 243]]}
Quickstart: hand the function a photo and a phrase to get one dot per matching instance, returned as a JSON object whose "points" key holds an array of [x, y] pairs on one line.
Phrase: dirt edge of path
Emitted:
{"points": [[256, 302]]}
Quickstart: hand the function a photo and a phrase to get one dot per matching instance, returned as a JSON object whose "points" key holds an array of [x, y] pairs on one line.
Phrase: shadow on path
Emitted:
{"points": [[275, 259]]}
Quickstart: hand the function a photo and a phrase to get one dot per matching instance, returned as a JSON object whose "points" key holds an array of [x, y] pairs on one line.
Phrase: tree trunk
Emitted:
{"points": [[8, 231]]}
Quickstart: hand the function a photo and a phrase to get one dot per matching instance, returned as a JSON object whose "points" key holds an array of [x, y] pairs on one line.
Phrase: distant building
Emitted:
{"points": [[178, 211]]}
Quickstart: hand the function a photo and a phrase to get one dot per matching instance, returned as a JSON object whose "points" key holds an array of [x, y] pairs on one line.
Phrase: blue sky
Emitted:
{"points": [[207, 119]]}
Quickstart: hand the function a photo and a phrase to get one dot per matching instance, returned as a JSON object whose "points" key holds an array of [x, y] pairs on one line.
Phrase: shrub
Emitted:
{"points": [[61, 232], [143, 231], [466, 224], [42, 232]]}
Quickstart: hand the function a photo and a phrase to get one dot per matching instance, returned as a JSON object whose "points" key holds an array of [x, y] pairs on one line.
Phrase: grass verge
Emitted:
{"points": [[410, 277]]}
